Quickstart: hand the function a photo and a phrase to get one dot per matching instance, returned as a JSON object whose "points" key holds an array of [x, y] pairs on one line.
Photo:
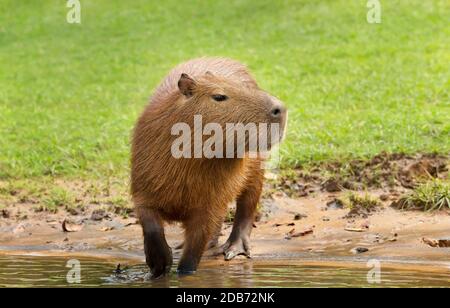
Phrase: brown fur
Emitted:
{"points": [[193, 191]]}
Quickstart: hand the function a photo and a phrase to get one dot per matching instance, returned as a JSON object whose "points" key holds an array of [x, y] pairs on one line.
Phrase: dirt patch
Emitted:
{"points": [[393, 172], [361, 206]]}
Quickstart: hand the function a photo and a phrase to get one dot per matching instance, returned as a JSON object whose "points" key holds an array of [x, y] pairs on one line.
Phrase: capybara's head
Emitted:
{"points": [[225, 100]]}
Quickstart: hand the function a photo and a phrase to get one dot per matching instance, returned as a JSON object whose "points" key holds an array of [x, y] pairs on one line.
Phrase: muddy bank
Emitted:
{"points": [[289, 229], [301, 217]]}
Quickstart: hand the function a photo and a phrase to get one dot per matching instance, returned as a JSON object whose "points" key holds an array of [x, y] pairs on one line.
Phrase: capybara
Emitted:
{"points": [[196, 191]]}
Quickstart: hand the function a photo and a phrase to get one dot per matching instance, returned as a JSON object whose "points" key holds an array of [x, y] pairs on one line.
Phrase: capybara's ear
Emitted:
{"points": [[209, 74], [186, 85]]}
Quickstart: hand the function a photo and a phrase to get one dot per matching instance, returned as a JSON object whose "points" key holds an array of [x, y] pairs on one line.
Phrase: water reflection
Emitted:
{"points": [[52, 271]]}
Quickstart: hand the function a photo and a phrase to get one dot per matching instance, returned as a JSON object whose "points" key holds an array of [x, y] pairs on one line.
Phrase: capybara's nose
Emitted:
{"points": [[277, 112]]}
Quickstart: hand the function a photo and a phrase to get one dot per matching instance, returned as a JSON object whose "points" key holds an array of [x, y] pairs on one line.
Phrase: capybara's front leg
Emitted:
{"points": [[238, 242], [198, 231], [157, 253]]}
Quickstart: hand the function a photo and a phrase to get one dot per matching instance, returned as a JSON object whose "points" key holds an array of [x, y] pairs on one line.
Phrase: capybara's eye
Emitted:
{"points": [[219, 97]]}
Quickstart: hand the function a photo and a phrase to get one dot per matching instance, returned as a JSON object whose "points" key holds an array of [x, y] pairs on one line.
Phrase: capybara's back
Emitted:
{"points": [[195, 187]]}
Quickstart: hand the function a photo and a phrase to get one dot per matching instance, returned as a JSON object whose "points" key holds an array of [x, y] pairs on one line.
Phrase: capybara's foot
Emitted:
{"points": [[187, 267], [159, 261], [231, 249], [160, 267]]}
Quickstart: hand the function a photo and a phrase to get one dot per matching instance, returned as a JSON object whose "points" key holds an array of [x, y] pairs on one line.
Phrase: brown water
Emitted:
{"points": [[52, 271]]}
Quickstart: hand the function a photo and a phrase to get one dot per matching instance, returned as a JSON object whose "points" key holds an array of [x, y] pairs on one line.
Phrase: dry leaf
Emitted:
{"points": [[70, 226], [430, 242], [303, 233], [292, 233], [105, 229], [437, 243], [444, 242]]}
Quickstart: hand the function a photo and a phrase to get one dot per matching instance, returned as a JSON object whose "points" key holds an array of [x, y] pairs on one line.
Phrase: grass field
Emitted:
{"points": [[69, 94]]}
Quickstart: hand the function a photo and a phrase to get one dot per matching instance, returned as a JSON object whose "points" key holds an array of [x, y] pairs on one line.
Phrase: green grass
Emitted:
{"points": [[366, 202], [69, 94], [429, 196], [57, 197]]}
